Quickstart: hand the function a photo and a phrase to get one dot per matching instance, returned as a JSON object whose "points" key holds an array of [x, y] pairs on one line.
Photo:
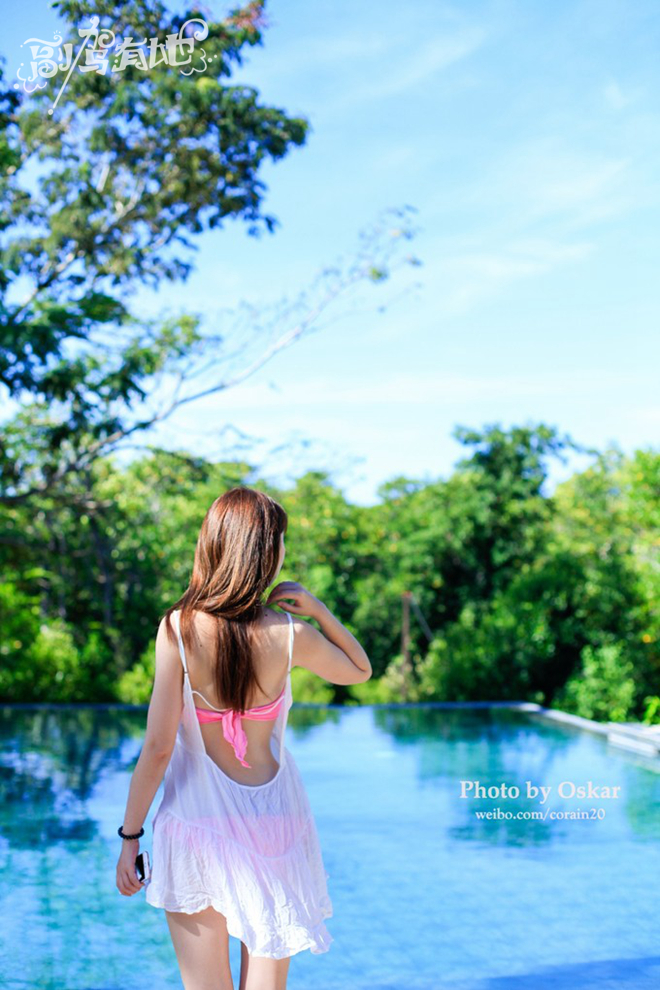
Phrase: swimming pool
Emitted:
{"points": [[431, 890]]}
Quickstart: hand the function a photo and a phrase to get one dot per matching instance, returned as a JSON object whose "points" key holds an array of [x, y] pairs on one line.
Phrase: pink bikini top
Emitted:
{"points": [[232, 728]]}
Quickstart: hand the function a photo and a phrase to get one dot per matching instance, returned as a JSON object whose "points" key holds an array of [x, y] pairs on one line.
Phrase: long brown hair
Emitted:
{"points": [[235, 561]]}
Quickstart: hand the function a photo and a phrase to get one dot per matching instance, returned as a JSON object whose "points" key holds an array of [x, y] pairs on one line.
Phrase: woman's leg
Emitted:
{"points": [[201, 944], [259, 973]]}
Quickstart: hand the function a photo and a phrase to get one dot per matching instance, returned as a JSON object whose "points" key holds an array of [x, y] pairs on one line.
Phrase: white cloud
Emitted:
{"points": [[420, 66], [467, 277], [538, 183], [575, 183], [543, 179]]}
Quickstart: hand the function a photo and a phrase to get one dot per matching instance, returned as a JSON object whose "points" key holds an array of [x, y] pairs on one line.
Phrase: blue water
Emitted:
{"points": [[426, 895]]}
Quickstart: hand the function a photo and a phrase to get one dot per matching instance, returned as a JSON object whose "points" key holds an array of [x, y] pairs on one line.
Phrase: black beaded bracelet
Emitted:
{"points": [[120, 831]]}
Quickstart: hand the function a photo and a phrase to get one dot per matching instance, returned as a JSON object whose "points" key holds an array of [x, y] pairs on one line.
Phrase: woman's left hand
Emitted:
{"points": [[127, 878]]}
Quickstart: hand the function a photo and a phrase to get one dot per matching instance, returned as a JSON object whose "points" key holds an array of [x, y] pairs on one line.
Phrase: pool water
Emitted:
{"points": [[427, 894]]}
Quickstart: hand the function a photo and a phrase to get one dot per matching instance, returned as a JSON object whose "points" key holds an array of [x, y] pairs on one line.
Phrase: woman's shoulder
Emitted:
{"points": [[270, 622], [272, 629], [274, 617]]}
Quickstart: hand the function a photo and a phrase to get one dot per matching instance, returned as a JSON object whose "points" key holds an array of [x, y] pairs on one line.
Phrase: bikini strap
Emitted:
{"points": [[290, 639], [182, 652]]}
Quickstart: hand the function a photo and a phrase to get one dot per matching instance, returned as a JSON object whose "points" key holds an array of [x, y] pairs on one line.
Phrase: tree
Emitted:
{"points": [[133, 164]]}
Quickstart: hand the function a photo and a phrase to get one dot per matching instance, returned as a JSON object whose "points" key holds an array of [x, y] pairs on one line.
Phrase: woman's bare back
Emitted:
{"points": [[270, 658]]}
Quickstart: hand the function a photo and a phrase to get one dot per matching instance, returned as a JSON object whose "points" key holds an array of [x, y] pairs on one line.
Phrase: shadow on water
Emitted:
{"points": [[624, 974], [605, 974]]}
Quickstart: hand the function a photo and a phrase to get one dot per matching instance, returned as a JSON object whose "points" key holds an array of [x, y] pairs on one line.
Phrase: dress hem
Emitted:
{"points": [[318, 939]]}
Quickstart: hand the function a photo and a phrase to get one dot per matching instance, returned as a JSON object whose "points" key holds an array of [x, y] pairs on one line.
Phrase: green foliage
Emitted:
{"points": [[19, 629], [135, 685], [307, 687], [53, 662], [604, 686], [130, 166], [652, 710], [392, 687], [491, 651], [527, 595], [46, 664]]}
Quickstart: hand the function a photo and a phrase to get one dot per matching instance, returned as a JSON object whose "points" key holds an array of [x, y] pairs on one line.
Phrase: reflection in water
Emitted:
{"points": [[496, 746], [50, 761], [478, 902]]}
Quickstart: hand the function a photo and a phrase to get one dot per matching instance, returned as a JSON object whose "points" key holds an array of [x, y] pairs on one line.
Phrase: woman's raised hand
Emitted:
{"points": [[304, 602]]}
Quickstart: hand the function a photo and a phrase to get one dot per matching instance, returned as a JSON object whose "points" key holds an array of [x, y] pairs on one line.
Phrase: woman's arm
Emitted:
{"points": [[163, 719], [147, 776]]}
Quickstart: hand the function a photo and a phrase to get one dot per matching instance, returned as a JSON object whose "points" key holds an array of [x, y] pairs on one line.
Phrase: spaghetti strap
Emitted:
{"points": [[290, 618], [182, 652], [257, 708], [208, 702]]}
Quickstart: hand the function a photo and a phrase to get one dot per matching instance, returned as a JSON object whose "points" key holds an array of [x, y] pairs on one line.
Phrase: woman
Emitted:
{"points": [[235, 845]]}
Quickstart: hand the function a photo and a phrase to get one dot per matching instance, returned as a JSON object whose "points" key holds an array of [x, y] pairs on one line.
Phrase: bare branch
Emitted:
{"points": [[373, 259]]}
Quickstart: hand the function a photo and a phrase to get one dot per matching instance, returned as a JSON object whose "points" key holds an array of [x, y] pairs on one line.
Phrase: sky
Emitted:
{"points": [[526, 136]]}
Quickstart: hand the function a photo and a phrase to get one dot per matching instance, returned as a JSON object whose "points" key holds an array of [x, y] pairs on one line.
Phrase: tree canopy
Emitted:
{"points": [[106, 194], [528, 596]]}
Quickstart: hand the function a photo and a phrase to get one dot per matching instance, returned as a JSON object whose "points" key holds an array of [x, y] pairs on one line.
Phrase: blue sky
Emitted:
{"points": [[527, 137]]}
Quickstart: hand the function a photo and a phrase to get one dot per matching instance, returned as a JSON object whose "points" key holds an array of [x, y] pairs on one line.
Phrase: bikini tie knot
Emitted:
{"points": [[233, 731]]}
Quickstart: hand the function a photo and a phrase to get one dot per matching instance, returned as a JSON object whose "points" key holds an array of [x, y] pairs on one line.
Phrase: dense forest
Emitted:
{"points": [[528, 596]]}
